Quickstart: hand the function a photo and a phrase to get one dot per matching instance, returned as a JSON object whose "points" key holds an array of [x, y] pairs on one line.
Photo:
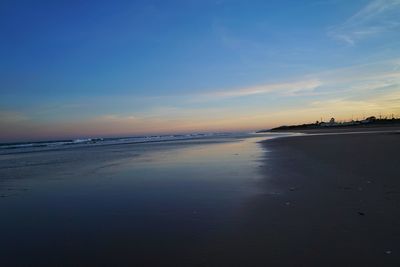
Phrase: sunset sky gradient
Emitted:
{"points": [[74, 69]]}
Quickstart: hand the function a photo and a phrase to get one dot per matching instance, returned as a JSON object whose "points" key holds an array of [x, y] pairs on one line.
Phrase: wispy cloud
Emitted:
{"points": [[372, 105], [352, 79], [117, 118], [284, 88], [377, 17], [364, 77]]}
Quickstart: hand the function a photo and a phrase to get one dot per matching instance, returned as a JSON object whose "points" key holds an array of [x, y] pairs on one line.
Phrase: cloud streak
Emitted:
{"points": [[284, 88], [377, 17], [357, 78]]}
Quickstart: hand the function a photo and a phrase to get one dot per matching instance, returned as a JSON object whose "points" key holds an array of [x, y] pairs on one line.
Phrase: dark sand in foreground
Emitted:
{"points": [[318, 200], [336, 203]]}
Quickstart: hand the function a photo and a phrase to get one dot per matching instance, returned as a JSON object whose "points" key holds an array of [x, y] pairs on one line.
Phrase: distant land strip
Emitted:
{"points": [[332, 124]]}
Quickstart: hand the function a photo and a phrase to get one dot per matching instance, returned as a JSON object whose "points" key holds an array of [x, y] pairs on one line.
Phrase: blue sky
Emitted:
{"points": [[101, 68]]}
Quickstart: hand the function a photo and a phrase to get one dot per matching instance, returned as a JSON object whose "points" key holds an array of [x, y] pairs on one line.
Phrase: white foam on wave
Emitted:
{"points": [[44, 145]]}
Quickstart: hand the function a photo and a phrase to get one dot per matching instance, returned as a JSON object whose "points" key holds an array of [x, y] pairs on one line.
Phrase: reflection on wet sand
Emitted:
{"points": [[124, 204]]}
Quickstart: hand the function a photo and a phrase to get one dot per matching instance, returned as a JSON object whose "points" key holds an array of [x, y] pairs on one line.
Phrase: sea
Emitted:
{"points": [[31, 146]]}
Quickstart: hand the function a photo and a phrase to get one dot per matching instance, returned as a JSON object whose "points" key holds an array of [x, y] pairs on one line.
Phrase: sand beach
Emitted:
{"points": [[307, 200]]}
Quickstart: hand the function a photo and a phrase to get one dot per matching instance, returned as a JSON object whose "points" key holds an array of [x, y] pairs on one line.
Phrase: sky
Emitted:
{"points": [[71, 69]]}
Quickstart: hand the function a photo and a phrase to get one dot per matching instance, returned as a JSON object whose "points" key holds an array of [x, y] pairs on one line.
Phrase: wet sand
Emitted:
{"points": [[158, 204], [330, 200], [321, 200]]}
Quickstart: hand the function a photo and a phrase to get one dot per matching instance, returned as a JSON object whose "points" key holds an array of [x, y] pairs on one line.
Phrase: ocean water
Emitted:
{"points": [[84, 142], [131, 203]]}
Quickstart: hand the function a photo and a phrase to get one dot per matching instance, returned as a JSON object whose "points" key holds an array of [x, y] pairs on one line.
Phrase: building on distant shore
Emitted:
{"points": [[331, 122], [369, 119]]}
